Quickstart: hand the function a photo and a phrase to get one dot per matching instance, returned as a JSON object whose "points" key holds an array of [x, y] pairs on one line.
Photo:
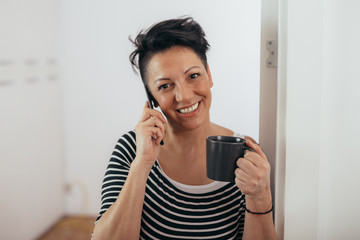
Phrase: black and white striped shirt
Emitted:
{"points": [[173, 210]]}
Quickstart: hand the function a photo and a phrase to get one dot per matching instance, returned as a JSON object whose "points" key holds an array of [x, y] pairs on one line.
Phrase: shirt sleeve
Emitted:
{"points": [[117, 170]]}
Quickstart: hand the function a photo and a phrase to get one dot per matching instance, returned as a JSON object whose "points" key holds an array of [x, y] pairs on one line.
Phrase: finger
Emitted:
{"points": [[154, 132], [254, 158], [148, 113], [162, 127], [246, 166], [246, 183], [238, 183], [160, 137], [242, 175], [241, 185], [147, 105], [158, 114], [152, 112], [156, 122], [258, 165], [256, 148]]}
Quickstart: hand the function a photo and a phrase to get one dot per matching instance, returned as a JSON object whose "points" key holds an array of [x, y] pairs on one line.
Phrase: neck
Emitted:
{"points": [[185, 139]]}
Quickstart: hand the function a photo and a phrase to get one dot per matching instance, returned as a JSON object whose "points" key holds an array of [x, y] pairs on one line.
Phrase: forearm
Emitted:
{"points": [[259, 226], [122, 220]]}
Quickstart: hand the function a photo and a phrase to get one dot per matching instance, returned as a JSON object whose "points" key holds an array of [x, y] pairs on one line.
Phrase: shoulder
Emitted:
{"points": [[129, 138], [220, 130], [125, 147]]}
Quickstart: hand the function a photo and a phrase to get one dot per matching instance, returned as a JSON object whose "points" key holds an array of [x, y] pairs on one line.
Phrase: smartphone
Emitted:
{"points": [[151, 101], [150, 98]]}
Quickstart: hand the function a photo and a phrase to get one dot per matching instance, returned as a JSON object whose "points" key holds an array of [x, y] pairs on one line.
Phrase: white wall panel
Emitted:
{"points": [[320, 75], [339, 165], [31, 164]]}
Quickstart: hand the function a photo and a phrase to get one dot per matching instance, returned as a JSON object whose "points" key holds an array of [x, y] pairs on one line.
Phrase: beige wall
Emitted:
{"points": [[268, 94]]}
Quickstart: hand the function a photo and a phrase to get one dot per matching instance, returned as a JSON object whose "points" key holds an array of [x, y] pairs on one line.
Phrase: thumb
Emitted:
{"points": [[253, 145]]}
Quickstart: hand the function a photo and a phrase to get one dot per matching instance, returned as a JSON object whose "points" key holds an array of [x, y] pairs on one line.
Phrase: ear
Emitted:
{"points": [[209, 75]]}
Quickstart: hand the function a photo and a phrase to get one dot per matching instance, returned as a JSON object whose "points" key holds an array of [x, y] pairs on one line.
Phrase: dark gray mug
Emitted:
{"points": [[222, 153]]}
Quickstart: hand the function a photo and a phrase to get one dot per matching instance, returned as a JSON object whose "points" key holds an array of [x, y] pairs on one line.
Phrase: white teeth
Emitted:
{"points": [[189, 109]]}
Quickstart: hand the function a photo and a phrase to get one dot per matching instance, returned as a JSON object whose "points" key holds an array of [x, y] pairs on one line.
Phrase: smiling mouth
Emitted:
{"points": [[189, 109]]}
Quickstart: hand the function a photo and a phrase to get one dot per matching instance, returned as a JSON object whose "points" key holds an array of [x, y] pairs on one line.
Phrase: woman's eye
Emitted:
{"points": [[194, 75], [164, 86]]}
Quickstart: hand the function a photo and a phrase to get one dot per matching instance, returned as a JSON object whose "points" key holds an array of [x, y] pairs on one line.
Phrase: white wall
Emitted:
{"points": [[319, 56], [31, 166], [103, 98]]}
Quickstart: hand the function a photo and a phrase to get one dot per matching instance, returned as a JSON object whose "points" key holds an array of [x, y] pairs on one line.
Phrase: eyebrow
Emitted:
{"points": [[160, 79], [165, 79], [191, 68]]}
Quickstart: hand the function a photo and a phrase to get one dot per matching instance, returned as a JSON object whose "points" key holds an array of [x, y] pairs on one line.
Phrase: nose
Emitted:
{"points": [[183, 93]]}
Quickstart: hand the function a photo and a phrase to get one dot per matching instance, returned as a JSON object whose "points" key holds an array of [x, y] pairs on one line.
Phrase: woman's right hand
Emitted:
{"points": [[150, 130]]}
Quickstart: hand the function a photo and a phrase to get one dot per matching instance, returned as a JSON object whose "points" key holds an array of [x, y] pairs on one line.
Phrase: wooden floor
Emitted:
{"points": [[69, 228]]}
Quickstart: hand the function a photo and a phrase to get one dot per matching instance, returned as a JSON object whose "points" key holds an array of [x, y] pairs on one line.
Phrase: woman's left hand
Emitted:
{"points": [[253, 173]]}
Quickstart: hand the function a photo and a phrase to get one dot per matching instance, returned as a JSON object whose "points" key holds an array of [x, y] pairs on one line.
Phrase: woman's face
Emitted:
{"points": [[181, 85]]}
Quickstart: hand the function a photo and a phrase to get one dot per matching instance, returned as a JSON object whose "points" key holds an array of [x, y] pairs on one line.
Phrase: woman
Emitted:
{"points": [[161, 191]]}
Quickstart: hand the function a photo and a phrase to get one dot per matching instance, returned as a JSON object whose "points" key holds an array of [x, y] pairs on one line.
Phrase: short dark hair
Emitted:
{"points": [[164, 35]]}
